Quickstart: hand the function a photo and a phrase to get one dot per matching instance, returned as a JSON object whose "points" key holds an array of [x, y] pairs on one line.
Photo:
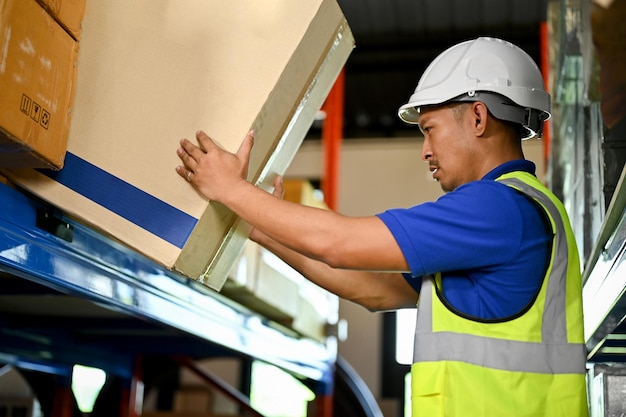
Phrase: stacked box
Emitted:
{"points": [[264, 283], [69, 14], [153, 72], [38, 65], [302, 191]]}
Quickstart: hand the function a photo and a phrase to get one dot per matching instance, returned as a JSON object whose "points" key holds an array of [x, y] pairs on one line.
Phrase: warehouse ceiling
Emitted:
{"points": [[397, 39]]}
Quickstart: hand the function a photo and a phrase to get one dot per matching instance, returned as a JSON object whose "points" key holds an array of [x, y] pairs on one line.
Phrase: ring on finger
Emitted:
{"points": [[188, 176]]}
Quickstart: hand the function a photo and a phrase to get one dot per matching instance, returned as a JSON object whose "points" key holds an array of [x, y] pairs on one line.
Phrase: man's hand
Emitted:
{"points": [[211, 170]]}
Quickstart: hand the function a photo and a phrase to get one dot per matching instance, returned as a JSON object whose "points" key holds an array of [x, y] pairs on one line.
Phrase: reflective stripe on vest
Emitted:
{"points": [[553, 355]]}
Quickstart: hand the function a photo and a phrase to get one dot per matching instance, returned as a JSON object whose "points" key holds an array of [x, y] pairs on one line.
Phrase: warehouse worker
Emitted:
{"points": [[493, 261]]}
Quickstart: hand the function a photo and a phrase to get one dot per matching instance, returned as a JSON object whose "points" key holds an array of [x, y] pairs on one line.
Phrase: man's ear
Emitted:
{"points": [[479, 114]]}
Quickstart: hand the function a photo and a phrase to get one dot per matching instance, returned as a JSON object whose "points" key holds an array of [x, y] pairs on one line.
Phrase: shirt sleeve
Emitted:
{"points": [[477, 225]]}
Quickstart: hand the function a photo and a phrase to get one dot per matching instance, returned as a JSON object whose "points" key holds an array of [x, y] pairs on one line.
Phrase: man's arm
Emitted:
{"points": [[376, 291], [361, 243]]}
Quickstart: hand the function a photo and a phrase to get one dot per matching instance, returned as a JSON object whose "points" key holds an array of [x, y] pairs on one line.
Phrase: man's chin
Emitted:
{"points": [[446, 188]]}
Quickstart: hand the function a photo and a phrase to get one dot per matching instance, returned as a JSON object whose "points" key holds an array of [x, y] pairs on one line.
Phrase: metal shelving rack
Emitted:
{"points": [[71, 295], [604, 291]]}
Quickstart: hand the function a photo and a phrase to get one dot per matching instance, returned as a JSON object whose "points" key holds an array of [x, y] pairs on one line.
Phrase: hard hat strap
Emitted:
{"points": [[503, 108]]}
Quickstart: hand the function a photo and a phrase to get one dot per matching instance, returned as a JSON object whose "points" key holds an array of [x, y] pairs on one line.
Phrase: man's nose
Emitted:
{"points": [[427, 153]]}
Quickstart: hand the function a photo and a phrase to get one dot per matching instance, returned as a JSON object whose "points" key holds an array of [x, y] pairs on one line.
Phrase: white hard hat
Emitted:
{"points": [[490, 70]]}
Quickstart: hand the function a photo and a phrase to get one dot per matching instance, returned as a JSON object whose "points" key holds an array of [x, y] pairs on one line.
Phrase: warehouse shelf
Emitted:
{"points": [[71, 294], [604, 285]]}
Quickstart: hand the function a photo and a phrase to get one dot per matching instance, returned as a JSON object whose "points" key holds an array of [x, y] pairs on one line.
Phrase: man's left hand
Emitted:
{"points": [[210, 169]]}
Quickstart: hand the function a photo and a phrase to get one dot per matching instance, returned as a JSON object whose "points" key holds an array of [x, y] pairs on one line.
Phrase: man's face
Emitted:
{"points": [[448, 146]]}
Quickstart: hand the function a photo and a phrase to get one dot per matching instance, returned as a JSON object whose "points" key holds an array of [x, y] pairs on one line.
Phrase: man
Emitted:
{"points": [[493, 262]]}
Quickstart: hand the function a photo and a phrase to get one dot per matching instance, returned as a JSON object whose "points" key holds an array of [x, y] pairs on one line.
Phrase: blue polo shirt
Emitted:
{"points": [[490, 242]]}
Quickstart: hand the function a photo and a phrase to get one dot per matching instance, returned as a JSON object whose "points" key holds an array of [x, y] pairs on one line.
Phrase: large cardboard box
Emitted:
{"points": [[38, 64], [69, 14], [152, 72]]}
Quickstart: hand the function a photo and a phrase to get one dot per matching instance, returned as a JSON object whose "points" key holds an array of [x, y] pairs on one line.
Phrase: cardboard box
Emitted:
{"points": [[318, 312], [264, 283], [302, 191], [193, 399], [154, 72], [38, 63], [69, 14]]}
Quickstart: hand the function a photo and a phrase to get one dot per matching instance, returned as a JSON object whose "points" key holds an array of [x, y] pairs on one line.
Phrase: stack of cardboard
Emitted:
{"points": [[264, 283], [38, 65], [152, 72]]}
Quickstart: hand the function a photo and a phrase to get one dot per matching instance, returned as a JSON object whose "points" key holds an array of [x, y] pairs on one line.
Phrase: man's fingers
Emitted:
{"points": [[184, 173], [185, 155], [243, 153], [208, 154], [206, 144], [191, 149], [190, 153], [205, 141], [279, 189]]}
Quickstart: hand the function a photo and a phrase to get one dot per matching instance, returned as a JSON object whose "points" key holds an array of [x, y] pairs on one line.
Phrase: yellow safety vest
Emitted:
{"points": [[529, 366]]}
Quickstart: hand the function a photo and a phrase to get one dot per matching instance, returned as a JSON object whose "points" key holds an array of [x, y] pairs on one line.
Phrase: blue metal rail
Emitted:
{"points": [[44, 247]]}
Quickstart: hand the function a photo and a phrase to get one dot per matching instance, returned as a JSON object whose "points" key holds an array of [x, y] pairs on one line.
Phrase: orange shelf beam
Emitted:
{"points": [[332, 136]]}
